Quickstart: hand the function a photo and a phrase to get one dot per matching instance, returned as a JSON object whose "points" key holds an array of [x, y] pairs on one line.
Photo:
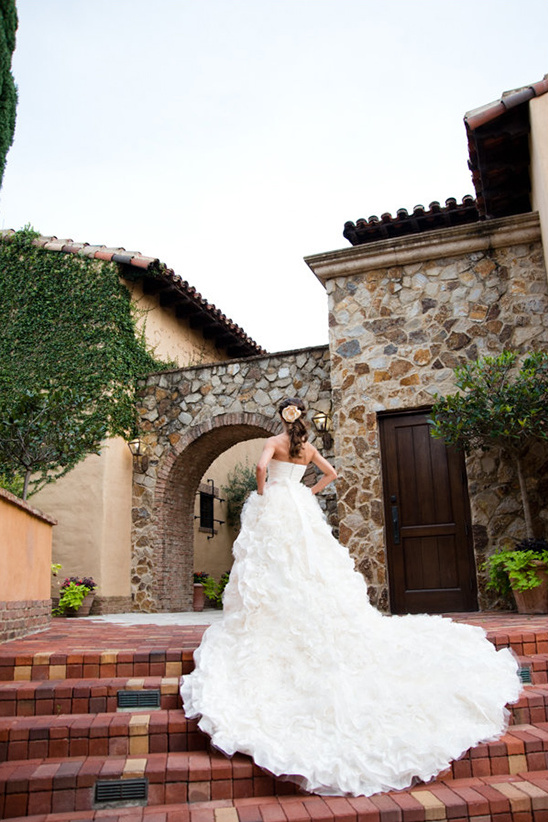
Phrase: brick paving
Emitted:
{"points": [[61, 733]]}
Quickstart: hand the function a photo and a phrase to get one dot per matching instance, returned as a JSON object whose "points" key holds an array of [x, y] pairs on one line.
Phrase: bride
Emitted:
{"points": [[305, 676]]}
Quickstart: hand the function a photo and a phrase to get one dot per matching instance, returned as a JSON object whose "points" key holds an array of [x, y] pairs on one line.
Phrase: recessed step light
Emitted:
{"points": [[149, 698], [525, 675], [121, 790]]}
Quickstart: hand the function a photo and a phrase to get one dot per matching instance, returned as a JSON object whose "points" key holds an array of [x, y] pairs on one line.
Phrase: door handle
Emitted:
{"points": [[395, 520]]}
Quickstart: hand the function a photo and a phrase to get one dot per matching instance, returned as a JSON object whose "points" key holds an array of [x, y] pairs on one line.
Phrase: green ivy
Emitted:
{"points": [[70, 357], [8, 90]]}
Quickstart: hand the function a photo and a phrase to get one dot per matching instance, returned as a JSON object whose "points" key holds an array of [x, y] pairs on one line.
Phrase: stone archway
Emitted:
{"points": [[178, 483], [187, 418]]}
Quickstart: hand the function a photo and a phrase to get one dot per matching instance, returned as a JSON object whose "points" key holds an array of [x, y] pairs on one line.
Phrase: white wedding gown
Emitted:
{"points": [[305, 676]]}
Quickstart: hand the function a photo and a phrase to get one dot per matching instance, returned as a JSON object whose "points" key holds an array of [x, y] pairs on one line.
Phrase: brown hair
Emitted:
{"points": [[296, 430]]}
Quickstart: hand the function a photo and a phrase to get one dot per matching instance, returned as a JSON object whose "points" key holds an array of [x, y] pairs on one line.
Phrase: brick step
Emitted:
{"points": [[44, 657], [532, 706], [522, 748], [161, 731], [45, 785], [102, 734], [203, 775], [66, 696], [94, 664], [519, 798], [537, 666]]}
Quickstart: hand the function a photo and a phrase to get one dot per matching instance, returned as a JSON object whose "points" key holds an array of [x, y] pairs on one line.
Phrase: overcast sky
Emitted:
{"points": [[231, 138]]}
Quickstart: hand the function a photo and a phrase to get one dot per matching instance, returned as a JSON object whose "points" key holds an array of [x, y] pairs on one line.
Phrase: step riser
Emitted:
{"points": [[96, 666], [123, 734], [174, 663], [76, 793], [60, 701]]}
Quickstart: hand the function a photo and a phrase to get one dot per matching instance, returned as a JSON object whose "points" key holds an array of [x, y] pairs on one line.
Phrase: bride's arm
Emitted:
{"points": [[260, 471], [329, 473]]}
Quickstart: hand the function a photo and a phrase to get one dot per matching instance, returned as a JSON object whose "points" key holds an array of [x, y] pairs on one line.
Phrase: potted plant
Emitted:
{"points": [[214, 590], [523, 570], [198, 600], [76, 596]]}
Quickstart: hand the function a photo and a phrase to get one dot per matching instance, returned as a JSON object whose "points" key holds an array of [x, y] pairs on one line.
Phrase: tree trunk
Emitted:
{"points": [[524, 500], [26, 484]]}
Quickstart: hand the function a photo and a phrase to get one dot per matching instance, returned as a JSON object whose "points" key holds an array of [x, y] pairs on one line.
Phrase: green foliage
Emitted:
{"points": [[514, 569], [70, 356], [8, 90], [73, 591], [214, 590], [241, 481], [14, 484], [502, 406]]}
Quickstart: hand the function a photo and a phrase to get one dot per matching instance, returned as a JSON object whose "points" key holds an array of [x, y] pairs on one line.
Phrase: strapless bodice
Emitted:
{"points": [[278, 470]]}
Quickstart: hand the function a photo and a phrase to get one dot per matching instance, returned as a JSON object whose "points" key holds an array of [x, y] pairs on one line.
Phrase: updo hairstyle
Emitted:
{"points": [[296, 429]]}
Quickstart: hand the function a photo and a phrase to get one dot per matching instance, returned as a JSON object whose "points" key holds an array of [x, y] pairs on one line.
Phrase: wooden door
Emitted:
{"points": [[431, 564]]}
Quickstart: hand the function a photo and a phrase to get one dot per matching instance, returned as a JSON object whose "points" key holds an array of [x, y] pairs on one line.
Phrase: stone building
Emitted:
{"points": [[414, 297]]}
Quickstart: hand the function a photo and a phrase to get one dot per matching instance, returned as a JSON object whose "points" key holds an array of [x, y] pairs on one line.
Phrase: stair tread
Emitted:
{"points": [[456, 798], [513, 745]]}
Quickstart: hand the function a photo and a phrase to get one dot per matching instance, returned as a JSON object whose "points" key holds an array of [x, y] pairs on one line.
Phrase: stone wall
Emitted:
{"points": [[187, 418], [402, 315]]}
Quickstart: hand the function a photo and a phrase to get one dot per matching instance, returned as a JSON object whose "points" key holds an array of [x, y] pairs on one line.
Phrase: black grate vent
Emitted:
{"points": [[525, 675], [149, 698], [121, 790]]}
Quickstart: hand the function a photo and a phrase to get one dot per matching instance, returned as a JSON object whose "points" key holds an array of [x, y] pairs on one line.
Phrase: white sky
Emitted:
{"points": [[231, 138]]}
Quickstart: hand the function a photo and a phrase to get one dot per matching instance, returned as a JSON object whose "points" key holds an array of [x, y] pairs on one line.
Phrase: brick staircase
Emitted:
{"points": [[91, 728]]}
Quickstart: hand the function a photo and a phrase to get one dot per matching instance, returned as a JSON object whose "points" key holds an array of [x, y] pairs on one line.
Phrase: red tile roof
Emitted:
{"points": [[436, 216], [171, 289], [498, 147], [510, 99]]}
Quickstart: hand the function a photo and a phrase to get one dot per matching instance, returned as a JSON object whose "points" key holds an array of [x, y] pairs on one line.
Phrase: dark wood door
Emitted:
{"points": [[430, 558]]}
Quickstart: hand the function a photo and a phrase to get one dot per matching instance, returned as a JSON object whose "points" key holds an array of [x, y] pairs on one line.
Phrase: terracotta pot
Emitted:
{"points": [[198, 601], [84, 608], [535, 600]]}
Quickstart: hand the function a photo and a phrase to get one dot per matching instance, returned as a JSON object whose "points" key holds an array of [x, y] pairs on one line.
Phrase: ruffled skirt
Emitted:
{"points": [[305, 676]]}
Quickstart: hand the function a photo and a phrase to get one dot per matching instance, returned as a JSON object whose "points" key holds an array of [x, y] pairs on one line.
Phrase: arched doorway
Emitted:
{"points": [[173, 547]]}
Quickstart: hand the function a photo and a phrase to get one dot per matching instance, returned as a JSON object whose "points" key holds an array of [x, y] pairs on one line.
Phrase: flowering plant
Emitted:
{"points": [[73, 590], [200, 576]]}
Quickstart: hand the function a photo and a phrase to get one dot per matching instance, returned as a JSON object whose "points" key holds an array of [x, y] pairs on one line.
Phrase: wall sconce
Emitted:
{"points": [[140, 458], [322, 423]]}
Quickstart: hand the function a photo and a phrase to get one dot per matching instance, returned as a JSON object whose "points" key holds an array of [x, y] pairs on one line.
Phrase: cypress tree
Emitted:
{"points": [[8, 89]]}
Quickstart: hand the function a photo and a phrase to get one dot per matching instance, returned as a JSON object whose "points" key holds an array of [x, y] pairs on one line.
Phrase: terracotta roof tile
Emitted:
{"points": [[498, 148], [509, 100], [171, 289], [420, 220]]}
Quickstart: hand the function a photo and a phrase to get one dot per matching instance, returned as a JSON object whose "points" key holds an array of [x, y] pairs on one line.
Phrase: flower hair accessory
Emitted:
{"points": [[291, 413]]}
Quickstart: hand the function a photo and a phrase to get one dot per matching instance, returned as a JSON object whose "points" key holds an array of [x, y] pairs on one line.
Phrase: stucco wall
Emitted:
{"points": [[25, 567], [170, 337], [538, 112], [402, 315]]}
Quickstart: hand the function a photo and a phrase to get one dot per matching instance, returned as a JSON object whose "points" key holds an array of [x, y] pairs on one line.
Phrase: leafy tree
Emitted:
{"points": [[241, 481], [8, 90], [70, 356], [503, 406]]}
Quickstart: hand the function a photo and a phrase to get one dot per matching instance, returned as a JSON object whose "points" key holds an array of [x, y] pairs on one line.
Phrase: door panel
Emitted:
{"points": [[430, 559]]}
